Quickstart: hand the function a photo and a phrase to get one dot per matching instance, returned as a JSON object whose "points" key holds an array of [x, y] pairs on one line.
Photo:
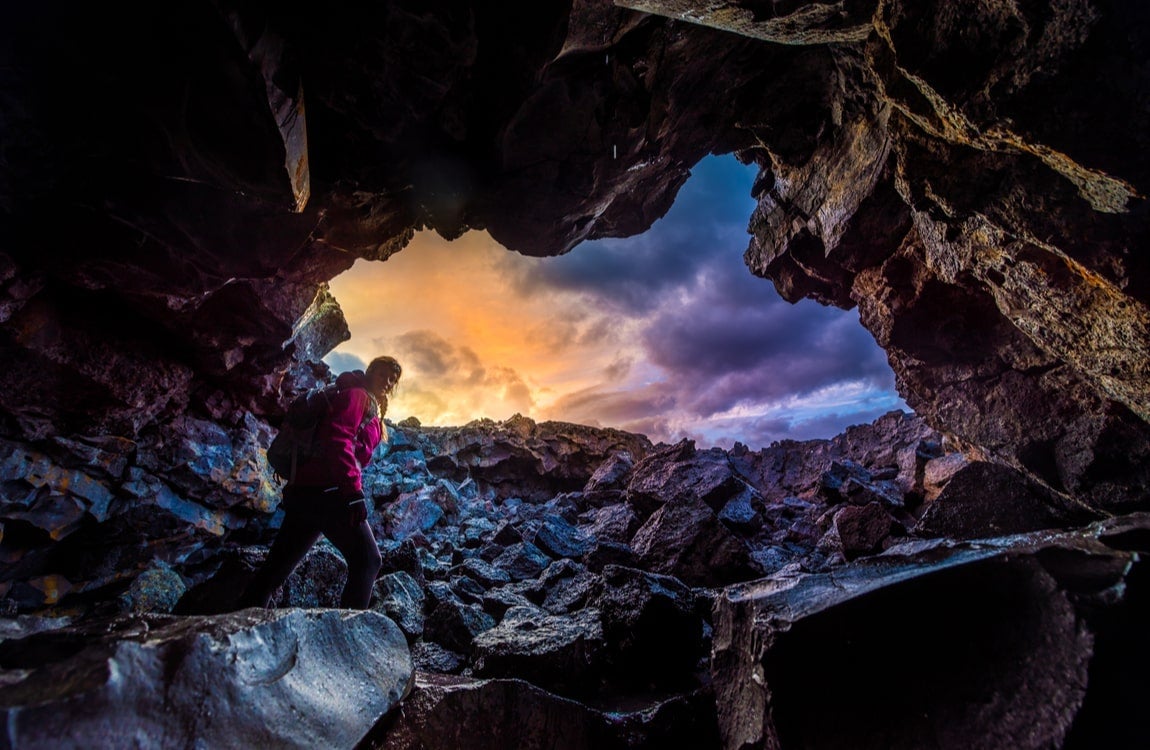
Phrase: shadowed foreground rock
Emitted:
{"points": [[446, 713], [288, 678], [1022, 642]]}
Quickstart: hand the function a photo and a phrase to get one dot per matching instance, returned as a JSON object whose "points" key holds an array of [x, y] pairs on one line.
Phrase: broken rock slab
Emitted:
{"points": [[256, 678], [939, 644], [987, 499], [446, 713]]}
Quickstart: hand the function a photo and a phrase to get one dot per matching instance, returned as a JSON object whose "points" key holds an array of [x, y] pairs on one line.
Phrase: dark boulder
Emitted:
{"points": [[562, 653], [861, 529], [454, 624], [986, 499], [399, 597], [681, 473], [523, 561], [652, 626], [317, 581], [604, 552], [447, 713], [741, 513], [927, 645], [559, 539], [686, 540], [616, 522], [486, 574]]}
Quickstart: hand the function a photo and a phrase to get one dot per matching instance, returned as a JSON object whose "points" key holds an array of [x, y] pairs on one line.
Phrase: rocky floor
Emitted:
{"points": [[546, 581]]}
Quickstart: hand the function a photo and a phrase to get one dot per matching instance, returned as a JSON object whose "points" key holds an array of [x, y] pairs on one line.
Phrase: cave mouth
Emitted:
{"points": [[665, 333]]}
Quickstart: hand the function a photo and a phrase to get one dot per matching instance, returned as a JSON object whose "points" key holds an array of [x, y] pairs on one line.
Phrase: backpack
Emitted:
{"points": [[295, 444]]}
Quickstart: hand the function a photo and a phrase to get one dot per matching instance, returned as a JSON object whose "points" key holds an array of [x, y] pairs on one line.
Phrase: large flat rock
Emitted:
{"points": [[255, 678]]}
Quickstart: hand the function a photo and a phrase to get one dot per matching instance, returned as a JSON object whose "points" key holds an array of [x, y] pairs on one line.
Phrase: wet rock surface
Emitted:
{"points": [[288, 678]]}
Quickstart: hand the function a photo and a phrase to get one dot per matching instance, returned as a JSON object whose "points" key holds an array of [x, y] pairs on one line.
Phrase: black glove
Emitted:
{"points": [[356, 508]]}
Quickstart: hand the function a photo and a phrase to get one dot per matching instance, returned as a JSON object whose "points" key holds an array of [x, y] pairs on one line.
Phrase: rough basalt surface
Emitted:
{"points": [[514, 608], [257, 678], [179, 183]]}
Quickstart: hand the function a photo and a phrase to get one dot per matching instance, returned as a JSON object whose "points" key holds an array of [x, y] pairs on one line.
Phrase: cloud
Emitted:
{"points": [[618, 369], [615, 407], [718, 360], [343, 362], [434, 366], [633, 275], [429, 353]]}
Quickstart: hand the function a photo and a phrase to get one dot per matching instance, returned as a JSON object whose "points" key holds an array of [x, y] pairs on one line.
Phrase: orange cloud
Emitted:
{"points": [[473, 342]]}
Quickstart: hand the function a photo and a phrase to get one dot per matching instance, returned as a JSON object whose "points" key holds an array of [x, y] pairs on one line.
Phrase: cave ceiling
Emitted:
{"points": [[178, 182]]}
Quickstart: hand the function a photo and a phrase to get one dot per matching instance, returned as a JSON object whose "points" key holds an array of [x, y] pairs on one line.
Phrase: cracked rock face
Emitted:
{"points": [[970, 174]]}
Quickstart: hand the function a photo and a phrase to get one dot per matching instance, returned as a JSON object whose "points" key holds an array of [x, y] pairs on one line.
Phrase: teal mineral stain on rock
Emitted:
{"points": [[156, 590]]}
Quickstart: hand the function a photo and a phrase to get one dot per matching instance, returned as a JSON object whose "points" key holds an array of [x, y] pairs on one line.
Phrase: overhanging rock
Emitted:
{"points": [[995, 643]]}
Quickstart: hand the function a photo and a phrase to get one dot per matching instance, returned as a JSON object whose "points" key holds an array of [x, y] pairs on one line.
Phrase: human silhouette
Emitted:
{"points": [[325, 496]]}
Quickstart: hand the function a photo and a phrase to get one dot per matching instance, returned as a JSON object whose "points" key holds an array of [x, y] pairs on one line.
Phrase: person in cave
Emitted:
{"points": [[326, 494]]}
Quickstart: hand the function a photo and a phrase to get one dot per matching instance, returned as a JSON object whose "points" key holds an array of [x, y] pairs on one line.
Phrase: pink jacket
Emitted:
{"points": [[349, 447]]}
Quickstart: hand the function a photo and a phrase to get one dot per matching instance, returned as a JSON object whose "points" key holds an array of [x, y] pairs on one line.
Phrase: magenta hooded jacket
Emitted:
{"points": [[350, 437]]}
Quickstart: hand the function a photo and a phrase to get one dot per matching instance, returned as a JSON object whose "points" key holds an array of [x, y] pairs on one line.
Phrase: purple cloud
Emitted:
{"points": [[722, 338]]}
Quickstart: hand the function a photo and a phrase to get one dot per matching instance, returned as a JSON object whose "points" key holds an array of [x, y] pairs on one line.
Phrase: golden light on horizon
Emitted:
{"points": [[474, 340]]}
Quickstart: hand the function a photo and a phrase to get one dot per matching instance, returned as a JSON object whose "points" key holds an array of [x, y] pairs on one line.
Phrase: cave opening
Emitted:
{"points": [[665, 333]]}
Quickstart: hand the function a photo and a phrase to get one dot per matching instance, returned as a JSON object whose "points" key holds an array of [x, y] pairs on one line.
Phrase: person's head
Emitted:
{"points": [[382, 376]]}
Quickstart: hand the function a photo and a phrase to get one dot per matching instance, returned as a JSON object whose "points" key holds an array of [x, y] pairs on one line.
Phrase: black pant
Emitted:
{"points": [[307, 514]]}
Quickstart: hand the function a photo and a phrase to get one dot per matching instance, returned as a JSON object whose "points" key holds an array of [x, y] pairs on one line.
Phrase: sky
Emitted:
{"points": [[665, 334]]}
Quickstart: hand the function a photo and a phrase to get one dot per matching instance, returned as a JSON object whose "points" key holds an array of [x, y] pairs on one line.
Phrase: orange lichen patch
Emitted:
{"points": [[54, 587]]}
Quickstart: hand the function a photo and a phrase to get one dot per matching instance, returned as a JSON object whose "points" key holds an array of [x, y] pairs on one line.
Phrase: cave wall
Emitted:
{"points": [[973, 178], [177, 185]]}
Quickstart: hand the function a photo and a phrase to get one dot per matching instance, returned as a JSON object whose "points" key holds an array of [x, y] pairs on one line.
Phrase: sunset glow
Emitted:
{"points": [[666, 334]]}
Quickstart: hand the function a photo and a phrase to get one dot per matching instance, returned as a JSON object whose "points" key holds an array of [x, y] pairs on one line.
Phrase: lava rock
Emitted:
{"points": [[523, 561], [559, 539], [862, 529], [157, 590], [399, 597], [985, 499], [257, 678], [616, 523], [562, 653], [604, 552], [1011, 607], [455, 625], [682, 473], [653, 630], [686, 540]]}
